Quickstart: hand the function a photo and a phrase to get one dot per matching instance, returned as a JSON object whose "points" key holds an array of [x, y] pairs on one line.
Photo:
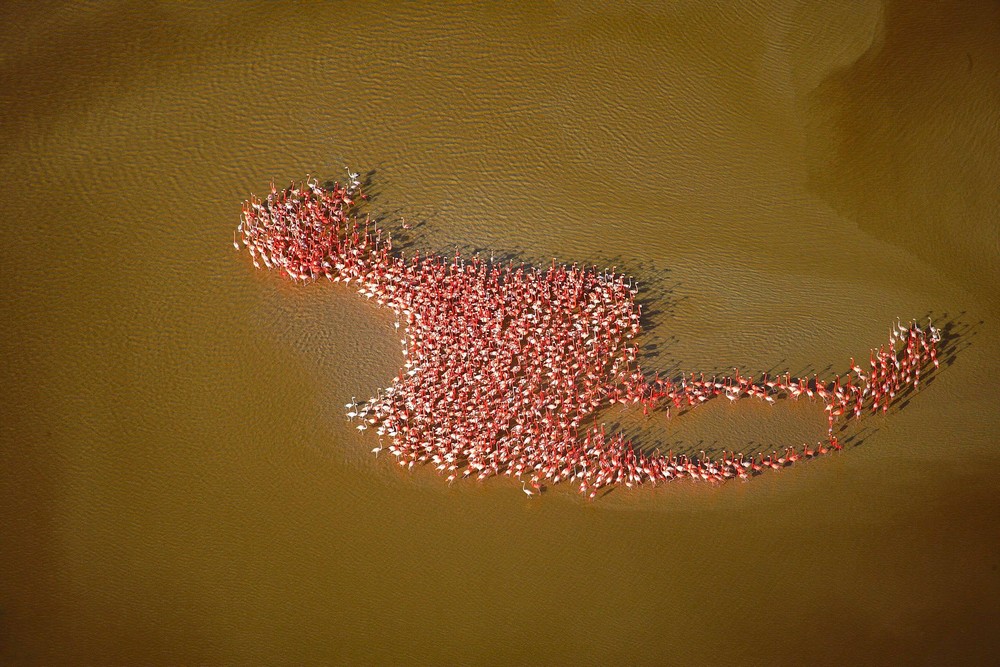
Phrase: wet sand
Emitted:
{"points": [[178, 482]]}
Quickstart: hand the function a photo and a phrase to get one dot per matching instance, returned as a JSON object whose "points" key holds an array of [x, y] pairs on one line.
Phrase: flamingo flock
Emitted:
{"points": [[506, 365]]}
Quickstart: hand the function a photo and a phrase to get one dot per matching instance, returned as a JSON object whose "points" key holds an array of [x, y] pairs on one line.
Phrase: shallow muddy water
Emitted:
{"points": [[178, 484]]}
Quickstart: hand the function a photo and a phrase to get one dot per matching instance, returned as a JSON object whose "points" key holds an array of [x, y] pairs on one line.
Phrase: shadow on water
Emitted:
{"points": [[655, 290], [957, 335]]}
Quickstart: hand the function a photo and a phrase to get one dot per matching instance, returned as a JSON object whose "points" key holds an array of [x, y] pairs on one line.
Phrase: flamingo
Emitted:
{"points": [[522, 356]]}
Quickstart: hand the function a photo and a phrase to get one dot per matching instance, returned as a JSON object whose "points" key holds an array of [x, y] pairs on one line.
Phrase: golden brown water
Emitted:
{"points": [[178, 482]]}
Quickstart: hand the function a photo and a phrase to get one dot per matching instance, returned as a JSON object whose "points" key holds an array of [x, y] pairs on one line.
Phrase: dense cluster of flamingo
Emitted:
{"points": [[505, 364]]}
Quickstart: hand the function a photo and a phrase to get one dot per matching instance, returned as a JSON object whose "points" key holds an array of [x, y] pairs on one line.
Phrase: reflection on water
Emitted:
{"points": [[178, 484]]}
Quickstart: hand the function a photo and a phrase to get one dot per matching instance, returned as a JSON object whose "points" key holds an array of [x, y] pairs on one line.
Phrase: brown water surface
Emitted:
{"points": [[178, 484]]}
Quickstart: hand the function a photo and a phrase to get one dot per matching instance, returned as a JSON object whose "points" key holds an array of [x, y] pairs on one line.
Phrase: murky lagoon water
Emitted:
{"points": [[179, 485]]}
